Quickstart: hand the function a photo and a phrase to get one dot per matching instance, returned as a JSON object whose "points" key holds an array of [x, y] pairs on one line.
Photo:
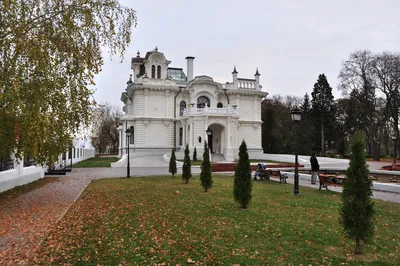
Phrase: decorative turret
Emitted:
{"points": [[234, 76], [257, 77]]}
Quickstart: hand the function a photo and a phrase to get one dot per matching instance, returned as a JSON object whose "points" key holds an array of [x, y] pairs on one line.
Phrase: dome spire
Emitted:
{"points": [[257, 73], [234, 70]]}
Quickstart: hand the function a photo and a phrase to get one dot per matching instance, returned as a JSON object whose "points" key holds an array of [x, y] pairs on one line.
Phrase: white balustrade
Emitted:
{"points": [[193, 111]]}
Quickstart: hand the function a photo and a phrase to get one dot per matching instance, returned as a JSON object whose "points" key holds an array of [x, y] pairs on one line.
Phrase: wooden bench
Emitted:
{"points": [[276, 173], [326, 180]]}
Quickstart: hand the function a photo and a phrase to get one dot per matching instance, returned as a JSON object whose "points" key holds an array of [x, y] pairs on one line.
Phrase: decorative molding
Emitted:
{"points": [[145, 123], [156, 106], [246, 111], [166, 123]]}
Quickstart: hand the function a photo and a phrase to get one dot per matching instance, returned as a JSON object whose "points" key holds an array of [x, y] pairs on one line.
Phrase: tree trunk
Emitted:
{"points": [[205, 190], [376, 150], [358, 250], [322, 139]]}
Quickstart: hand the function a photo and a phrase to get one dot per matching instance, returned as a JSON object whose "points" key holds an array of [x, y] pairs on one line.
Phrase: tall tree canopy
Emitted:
{"points": [[50, 52], [323, 110]]}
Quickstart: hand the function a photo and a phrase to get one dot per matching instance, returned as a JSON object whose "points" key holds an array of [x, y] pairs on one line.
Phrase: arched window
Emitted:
{"points": [[182, 107], [220, 105], [153, 71], [158, 72], [132, 137], [202, 101]]}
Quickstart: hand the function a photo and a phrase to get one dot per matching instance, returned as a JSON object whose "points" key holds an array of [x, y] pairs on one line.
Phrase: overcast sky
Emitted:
{"points": [[290, 41]]}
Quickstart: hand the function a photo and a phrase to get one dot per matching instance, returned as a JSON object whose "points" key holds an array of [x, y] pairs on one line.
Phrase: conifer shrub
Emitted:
{"points": [[187, 166], [172, 163], [243, 185], [194, 155], [205, 175], [357, 210]]}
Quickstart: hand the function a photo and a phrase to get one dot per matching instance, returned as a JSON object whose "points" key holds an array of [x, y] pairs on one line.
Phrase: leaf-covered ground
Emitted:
{"points": [[159, 220], [28, 213]]}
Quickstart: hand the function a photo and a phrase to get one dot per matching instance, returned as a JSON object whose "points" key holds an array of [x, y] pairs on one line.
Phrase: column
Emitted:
{"points": [[123, 138], [146, 92], [184, 129], [255, 107], [205, 129], [119, 143], [167, 104], [229, 132], [191, 98], [190, 134]]}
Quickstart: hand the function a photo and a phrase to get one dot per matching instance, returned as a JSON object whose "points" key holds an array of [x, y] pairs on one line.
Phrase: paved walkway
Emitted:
{"points": [[29, 218]]}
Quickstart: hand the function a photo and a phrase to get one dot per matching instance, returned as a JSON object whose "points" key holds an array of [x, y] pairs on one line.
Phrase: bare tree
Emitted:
{"points": [[358, 79], [104, 129], [386, 71]]}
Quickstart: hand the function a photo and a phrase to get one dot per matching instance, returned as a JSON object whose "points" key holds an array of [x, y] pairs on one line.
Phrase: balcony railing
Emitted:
{"points": [[194, 111]]}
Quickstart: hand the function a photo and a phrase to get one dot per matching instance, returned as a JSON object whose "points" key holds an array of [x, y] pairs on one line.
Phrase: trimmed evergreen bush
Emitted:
{"points": [[243, 184], [172, 163], [205, 175], [194, 155], [357, 206], [187, 166]]}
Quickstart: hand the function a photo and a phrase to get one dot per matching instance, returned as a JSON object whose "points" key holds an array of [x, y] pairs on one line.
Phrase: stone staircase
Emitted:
{"points": [[217, 158]]}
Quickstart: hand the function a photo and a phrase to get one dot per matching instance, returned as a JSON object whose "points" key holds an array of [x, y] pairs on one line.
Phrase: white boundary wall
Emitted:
{"points": [[23, 175], [19, 176]]}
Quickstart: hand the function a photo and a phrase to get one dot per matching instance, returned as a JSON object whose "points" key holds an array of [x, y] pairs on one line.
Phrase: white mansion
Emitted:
{"points": [[164, 108]]}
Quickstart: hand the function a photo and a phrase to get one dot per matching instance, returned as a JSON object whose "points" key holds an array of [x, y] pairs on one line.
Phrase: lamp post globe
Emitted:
{"points": [[128, 167], [296, 115]]}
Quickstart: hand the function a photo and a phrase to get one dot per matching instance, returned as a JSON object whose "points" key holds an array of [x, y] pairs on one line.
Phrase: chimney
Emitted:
{"points": [[189, 71]]}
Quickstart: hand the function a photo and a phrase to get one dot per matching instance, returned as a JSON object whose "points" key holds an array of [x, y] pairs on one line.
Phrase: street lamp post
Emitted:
{"points": [[296, 117], [128, 167]]}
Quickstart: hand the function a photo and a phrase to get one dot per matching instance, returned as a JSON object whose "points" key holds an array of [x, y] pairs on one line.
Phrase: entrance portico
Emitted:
{"points": [[217, 126]]}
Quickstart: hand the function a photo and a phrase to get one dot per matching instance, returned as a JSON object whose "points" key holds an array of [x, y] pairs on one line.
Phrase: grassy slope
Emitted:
{"points": [[144, 221], [96, 162]]}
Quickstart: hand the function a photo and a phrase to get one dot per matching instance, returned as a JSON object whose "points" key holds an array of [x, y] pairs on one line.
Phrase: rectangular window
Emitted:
{"points": [[180, 136], [132, 137]]}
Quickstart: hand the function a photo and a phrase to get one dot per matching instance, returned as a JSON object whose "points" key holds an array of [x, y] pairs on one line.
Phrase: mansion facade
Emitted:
{"points": [[166, 108]]}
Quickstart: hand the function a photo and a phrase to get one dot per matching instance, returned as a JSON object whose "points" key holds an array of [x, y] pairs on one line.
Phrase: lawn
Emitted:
{"points": [[96, 162], [151, 221]]}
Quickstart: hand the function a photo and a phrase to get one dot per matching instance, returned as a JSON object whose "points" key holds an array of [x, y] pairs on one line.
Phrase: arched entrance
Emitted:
{"points": [[216, 140]]}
